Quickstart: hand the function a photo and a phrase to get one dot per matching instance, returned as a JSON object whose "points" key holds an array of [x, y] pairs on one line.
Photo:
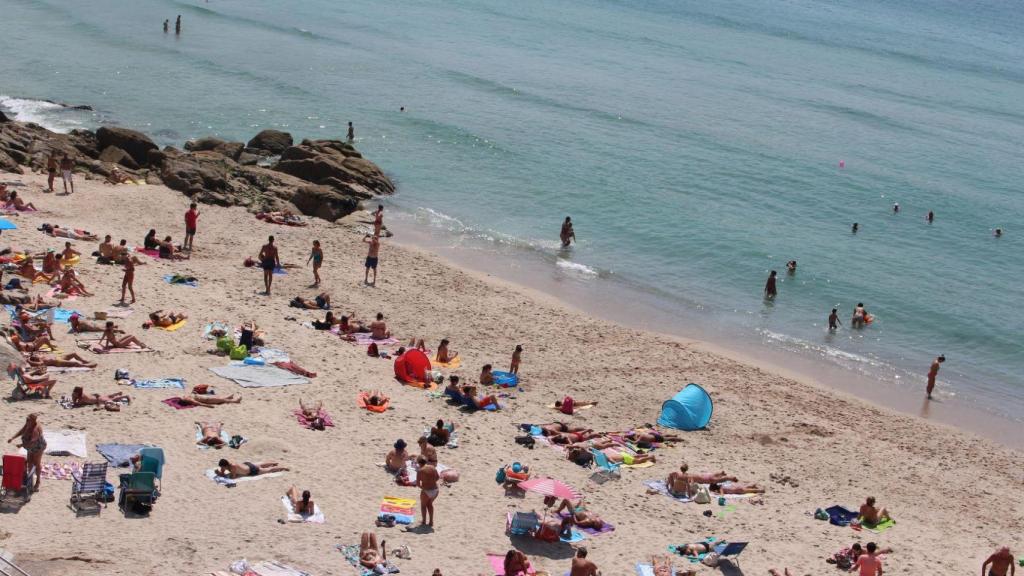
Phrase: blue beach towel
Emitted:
{"points": [[177, 279], [160, 383], [118, 454], [840, 516]]}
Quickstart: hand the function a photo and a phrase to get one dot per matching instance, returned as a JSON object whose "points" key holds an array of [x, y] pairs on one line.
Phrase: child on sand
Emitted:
{"points": [[517, 355]]}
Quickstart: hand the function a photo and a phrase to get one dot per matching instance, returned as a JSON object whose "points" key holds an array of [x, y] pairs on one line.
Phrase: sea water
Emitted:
{"points": [[696, 145]]}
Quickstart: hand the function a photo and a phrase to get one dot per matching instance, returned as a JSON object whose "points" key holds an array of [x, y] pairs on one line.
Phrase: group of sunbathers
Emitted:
{"points": [[165, 248], [629, 447], [468, 392], [285, 217], [684, 484]]}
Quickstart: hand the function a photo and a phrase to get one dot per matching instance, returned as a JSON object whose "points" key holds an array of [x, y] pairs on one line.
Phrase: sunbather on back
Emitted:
{"points": [[560, 428], [737, 488], [369, 556], [229, 470], [110, 402], [695, 549], [164, 319], [211, 434], [573, 437], [71, 360], [208, 401], [620, 455]]}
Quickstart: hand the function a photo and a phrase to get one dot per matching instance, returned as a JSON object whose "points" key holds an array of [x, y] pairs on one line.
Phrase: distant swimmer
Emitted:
{"points": [[402, 109], [860, 316], [933, 372], [166, 24], [931, 216], [998, 233], [855, 227], [833, 320], [177, 25], [896, 208], [791, 266], [568, 234], [351, 132], [769, 287]]}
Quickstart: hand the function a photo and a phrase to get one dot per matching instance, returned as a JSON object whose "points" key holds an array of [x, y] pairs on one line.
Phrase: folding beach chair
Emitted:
{"points": [[605, 467], [156, 466], [137, 488], [22, 390], [88, 485], [522, 523], [730, 551], [18, 477]]}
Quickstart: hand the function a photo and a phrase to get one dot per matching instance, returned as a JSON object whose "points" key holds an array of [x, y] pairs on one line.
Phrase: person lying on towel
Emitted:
{"points": [[228, 470]]}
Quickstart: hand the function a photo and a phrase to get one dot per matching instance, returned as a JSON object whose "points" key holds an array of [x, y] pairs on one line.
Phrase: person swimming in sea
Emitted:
{"points": [[856, 227], [833, 320]]}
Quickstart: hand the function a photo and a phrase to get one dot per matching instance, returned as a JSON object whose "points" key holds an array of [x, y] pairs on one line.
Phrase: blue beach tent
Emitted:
{"points": [[690, 409]]}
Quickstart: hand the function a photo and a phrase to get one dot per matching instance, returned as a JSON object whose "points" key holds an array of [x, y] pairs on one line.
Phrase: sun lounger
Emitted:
{"points": [[89, 485], [522, 523]]}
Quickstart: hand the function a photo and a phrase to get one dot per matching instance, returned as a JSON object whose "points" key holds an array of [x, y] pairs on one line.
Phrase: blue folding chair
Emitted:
{"points": [[522, 523], [731, 551], [604, 465]]}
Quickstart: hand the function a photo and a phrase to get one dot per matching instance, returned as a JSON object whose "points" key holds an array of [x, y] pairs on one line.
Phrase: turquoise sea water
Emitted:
{"points": [[696, 145]]}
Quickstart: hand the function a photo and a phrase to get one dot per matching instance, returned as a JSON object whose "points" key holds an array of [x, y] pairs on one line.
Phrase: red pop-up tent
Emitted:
{"points": [[412, 367]]}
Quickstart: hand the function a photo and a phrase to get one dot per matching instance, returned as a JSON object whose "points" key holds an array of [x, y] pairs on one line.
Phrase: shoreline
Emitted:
{"points": [[612, 304], [808, 446]]}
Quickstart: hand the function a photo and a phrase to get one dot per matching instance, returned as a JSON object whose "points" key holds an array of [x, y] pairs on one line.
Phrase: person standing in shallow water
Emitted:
{"points": [[933, 372], [931, 216], [769, 287], [567, 234], [856, 227], [351, 132], [833, 320], [177, 25], [166, 25]]}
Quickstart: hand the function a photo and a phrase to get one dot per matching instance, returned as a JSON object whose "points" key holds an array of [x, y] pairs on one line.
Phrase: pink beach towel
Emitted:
{"points": [[498, 565], [151, 253], [175, 403], [365, 339], [305, 422]]}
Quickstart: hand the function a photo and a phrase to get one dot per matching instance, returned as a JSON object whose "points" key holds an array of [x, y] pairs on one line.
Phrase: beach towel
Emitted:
{"points": [[119, 312], [605, 528], [160, 383], [452, 365], [648, 570], [363, 401], [365, 339], [177, 404], [272, 355], [307, 423], [316, 518], [274, 568], [60, 470], [840, 516], [155, 254], [249, 376], [63, 315], [574, 537], [216, 325], [498, 564], [174, 326], [675, 549], [407, 476], [295, 369], [878, 528], [181, 280], [351, 553], [118, 454], [199, 436], [403, 509], [63, 369], [212, 475], [56, 292], [65, 443]]}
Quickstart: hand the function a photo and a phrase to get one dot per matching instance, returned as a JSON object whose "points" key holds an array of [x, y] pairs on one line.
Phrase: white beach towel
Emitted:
{"points": [[212, 475], [65, 443], [316, 518]]}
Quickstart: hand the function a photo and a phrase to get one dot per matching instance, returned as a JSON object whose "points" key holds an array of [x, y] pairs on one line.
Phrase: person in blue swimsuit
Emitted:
{"points": [[316, 255]]}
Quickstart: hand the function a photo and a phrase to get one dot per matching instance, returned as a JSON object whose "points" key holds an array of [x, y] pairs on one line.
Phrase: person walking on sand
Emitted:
{"points": [[1001, 561], [567, 234], [66, 166], [426, 479], [52, 165], [191, 222], [128, 282], [770, 291], [517, 355], [933, 372], [177, 25], [351, 132], [316, 255], [581, 566], [833, 320], [371, 258], [269, 262]]}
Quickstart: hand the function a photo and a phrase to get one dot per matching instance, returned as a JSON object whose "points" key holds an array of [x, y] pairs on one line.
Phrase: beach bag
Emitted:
{"points": [[371, 350], [703, 497], [500, 477], [121, 374], [108, 492], [239, 353], [527, 441], [225, 343]]}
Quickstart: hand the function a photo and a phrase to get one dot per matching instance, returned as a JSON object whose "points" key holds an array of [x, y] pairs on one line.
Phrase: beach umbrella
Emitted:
{"points": [[6, 224], [550, 487]]}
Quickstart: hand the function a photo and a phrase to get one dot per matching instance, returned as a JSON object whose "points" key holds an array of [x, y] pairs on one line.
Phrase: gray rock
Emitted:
{"points": [[323, 202], [273, 141], [135, 143], [115, 155]]}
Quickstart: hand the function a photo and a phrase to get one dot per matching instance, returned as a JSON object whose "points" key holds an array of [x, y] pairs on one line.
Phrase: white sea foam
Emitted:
{"points": [[49, 115]]}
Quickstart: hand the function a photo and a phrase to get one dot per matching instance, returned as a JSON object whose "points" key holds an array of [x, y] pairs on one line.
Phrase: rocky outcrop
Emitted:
{"points": [[136, 144], [272, 141], [322, 178]]}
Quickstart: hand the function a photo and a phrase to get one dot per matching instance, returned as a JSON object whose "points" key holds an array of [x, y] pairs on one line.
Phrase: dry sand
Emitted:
{"points": [[955, 496]]}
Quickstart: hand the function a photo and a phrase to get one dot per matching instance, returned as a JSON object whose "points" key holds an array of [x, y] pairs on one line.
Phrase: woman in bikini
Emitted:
{"points": [[443, 355], [369, 555], [32, 441], [71, 360], [165, 319], [71, 285], [110, 402], [208, 401], [110, 340], [301, 503]]}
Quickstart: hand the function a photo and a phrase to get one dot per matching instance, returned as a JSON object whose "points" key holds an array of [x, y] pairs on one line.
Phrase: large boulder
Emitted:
{"points": [[115, 155], [273, 141], [4, 118], [136, 144], [211, 144], [197, 172], [324, 202], [8, 164], [329, 162]]}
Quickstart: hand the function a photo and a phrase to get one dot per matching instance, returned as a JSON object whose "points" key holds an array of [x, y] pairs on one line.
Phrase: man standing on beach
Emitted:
{"points": [[770, 291], [833, 320], [371, 258], [269, 262], [191, 221], [426, 479], [581, 566], [351, 132], [933, 372], [1001, 560], [66, 166], [52, 165]]}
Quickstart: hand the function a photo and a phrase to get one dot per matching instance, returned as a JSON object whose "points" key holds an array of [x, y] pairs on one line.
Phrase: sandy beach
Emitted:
{"points": [[954, 495]]}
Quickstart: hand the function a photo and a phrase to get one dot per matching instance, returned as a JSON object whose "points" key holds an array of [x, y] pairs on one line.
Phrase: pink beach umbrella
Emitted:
{"points": [[550, 487]]}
